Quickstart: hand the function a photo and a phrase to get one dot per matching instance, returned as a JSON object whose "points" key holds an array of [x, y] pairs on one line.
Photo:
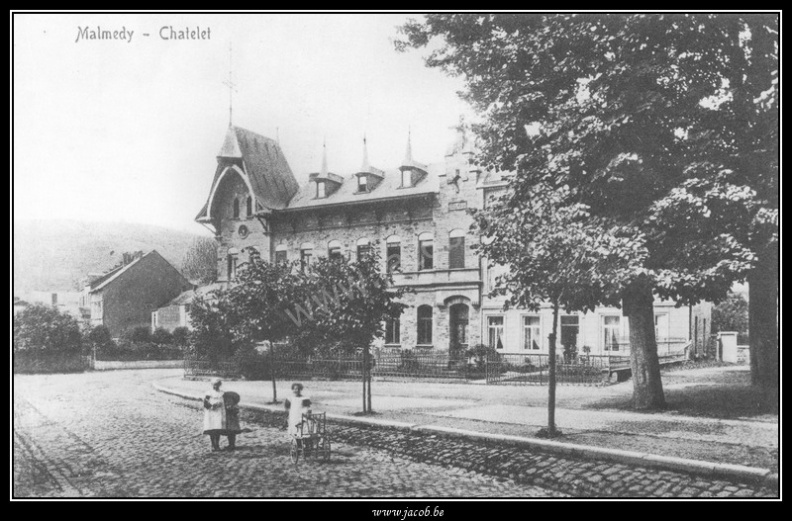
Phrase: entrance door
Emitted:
{"points": [[458, 324]]}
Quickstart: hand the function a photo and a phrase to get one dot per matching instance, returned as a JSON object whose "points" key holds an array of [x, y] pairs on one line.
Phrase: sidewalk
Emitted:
{"points": [[737, 448]]}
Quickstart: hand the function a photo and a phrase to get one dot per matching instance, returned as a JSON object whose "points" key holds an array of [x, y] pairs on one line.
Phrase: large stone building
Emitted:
{"points": [[416, 214]]}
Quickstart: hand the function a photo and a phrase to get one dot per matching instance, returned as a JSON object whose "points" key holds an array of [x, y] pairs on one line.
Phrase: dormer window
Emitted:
{"points": [[406, 178], [362, 183], [321, 190]]}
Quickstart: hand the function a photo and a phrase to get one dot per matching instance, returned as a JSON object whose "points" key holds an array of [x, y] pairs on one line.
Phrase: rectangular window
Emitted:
{"points": [[425, 325], [394, 257], [456, 253], [280, 256], [495, 332], [406, 178], [392, 331], [611, 332], [320, 190], [362, 183], [531, 333], [570, 328], [426, 255]]}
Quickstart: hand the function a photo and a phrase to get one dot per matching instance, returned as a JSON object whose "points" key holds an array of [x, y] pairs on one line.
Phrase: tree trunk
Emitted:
{"points": [[551, 395], [363, 372], [272, 373], [638, 307], [763, 325]]}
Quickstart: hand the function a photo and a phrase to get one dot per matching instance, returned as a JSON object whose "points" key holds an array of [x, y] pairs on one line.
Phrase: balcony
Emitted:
{"points": [[457, 277]]}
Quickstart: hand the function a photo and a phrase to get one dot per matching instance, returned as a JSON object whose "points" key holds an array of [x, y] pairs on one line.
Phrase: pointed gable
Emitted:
{"points": [[264, 169]]}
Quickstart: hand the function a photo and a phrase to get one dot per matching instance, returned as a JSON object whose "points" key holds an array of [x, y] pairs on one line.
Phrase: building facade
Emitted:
{"points": [[417, 216], [126, 296]]}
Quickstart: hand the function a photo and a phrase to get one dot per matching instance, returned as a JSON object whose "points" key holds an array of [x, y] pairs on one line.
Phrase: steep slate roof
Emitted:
{"points": [[269, 173], [108, 278], [389, 188]]}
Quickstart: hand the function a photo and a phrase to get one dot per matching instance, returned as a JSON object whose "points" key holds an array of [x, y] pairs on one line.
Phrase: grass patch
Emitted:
{"points": [[725, 393]]}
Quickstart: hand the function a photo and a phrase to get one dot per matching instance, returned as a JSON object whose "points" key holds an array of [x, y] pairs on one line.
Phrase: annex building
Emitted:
{"points": [[416, 214]]}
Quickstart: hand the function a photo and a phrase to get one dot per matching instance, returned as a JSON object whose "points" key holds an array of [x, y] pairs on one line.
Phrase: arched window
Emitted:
{"points": [[456, 249], [334, 249], [249, 206], [363, 248], [393, 253], [425, 325], [236, 208], [306, 252], [232, 263], [280, 253], [425, 251]]}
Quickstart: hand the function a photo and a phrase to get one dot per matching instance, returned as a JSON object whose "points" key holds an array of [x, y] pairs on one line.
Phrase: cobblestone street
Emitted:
{"points": [[111, 434]]}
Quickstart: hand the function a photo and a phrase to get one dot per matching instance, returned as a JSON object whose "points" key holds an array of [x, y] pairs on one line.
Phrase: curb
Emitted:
{"points": [[764, 477]]}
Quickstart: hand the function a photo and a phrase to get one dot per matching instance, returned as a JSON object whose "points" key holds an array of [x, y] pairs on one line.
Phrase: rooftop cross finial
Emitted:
{"points": [[231, 86]]}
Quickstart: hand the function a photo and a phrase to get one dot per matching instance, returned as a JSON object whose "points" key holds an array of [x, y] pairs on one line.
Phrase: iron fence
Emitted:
{"points": [[197, 369], [407, 364], [533, 369]]}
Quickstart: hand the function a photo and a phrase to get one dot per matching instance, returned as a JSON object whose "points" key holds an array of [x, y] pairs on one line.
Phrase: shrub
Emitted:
{"points": [[100, 340], [136, 334], [181, 337], [408, 361], [478, 356], [570, 353], [41, 328], [252, 365], [162, 336]]}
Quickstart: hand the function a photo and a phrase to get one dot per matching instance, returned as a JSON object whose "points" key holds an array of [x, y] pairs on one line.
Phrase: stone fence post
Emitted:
{"points": [[728, 342]]}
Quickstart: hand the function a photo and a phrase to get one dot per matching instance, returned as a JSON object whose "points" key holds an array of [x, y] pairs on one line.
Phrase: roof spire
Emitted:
{"points": [[231, 86], [408, 153], [323, 171], [366, 165]]}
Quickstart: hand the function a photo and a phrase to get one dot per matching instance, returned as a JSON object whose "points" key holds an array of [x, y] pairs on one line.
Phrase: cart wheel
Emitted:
{"points": [[295, 452]]}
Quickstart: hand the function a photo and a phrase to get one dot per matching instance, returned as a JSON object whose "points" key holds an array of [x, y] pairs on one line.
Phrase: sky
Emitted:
{"points": [[129, 129]]}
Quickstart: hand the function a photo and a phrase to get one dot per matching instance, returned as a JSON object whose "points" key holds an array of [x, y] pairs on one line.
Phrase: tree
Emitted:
{"points": [[557, 254], [199, 263], [331, 306], [40, 329], [214, 321], [731, 314], [351, 302], [643, 118], [259, 300]]}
